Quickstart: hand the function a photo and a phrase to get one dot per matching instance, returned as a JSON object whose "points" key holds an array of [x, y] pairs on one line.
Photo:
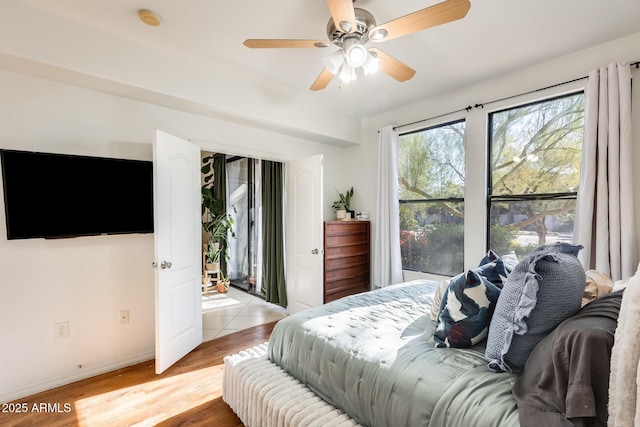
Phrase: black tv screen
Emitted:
{"points": [[55, 195]]}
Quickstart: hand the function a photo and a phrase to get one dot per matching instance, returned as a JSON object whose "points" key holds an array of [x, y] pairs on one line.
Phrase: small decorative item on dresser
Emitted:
{"points": [[362, 216]]}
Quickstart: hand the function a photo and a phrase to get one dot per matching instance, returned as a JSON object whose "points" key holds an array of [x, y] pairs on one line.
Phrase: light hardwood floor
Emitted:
{"points": [[187, 394]]}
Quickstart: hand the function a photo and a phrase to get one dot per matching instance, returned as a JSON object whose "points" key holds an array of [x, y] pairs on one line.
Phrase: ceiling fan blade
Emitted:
{"points": [[441, 13], [286, 43], [342, 13], [393, 67], [322, 81]]}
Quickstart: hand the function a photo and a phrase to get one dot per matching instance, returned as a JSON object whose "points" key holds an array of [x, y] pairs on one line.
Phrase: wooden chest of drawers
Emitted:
{"points": [[346, 258]]}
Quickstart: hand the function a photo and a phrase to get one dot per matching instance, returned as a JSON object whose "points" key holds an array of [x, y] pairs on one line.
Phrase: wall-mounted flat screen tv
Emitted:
{"points": [[56, 196]]}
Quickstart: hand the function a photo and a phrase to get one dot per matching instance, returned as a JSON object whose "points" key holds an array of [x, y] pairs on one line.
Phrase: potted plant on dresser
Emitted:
{"points": [[342, 206]]}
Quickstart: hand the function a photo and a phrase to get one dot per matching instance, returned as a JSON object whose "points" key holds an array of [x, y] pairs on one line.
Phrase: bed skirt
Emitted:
{"points": [[262, 394]]}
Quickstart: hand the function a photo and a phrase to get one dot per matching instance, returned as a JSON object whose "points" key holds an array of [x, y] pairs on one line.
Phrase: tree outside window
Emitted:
{"points": [[431, 191], [533, 175], [534, 171]]}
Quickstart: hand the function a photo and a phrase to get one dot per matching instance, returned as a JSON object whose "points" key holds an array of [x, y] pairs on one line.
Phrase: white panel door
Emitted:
{"points": [[304, 234], [176, 167]]}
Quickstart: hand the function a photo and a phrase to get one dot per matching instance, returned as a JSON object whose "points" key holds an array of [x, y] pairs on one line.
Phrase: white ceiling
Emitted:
{"points": [[496, 36]]}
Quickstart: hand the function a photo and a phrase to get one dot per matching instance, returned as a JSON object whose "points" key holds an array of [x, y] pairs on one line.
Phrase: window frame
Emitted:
{"points": [[436, 200], [490, 198]]}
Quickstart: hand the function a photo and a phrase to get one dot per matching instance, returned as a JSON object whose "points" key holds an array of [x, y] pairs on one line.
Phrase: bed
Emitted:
{"points": [[372, 356], [370, 360]]}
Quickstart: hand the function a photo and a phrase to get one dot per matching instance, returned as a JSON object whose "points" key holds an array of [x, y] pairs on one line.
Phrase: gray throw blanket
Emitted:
{"points": [[566, 378]]}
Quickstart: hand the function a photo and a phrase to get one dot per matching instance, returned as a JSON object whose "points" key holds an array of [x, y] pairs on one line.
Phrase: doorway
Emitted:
{"points": [[243, 305]]}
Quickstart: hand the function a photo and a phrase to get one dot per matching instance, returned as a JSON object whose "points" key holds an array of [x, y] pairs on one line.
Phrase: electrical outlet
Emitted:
{"points": [[124, 316], [61, 330]]}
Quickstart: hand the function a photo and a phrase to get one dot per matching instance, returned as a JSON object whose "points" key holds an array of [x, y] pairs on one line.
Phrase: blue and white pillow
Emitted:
{"points": [[509, 261], [466, 308], [468, 302]]}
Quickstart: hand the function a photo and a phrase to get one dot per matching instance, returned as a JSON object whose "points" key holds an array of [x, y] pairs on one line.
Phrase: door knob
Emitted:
{"points": [[165, 264], [314, 251]]}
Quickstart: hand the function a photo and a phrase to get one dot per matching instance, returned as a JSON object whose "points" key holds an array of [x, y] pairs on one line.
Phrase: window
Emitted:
{"points": [[243, 180], [431, 193], [534, 171]]}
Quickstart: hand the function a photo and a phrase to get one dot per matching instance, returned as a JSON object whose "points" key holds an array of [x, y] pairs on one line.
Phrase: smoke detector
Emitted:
{"points": [[149, 17]]}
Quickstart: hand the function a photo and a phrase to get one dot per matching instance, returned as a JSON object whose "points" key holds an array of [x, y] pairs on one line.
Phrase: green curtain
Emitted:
{"points": [[220, 193], [273, 276]]}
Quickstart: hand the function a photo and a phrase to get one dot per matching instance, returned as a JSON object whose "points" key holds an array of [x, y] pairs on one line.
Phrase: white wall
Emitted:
{"points": [[87, 281], [542, 75]]}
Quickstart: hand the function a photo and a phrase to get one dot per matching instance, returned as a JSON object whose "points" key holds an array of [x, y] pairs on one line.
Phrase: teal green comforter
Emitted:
{"points": [[373, 356]]}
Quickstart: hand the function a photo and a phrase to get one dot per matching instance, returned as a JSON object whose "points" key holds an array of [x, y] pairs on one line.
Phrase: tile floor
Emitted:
{"points": [[233, 311]]}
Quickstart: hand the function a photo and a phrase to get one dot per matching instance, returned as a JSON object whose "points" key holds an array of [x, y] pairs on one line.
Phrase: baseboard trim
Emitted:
{"points": [[37, 387]]}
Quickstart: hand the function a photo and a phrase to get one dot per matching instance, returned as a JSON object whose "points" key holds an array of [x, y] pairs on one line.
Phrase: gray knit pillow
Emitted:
{"points": [[543, 290]]}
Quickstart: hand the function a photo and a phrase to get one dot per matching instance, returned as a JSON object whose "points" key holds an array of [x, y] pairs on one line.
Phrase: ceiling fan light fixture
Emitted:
{"points": [[346, 26], [334, 61], [348, 73], [371, 65], [355, 53], [379, 34]]}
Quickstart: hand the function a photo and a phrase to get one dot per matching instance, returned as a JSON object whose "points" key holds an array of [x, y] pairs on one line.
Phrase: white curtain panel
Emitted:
{"points": [[605, 223], [387, 263]]}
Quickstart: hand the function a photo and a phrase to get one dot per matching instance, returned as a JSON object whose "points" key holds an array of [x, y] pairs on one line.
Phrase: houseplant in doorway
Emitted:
{"points": [[223, 283], [212, 256], [217, 224]]}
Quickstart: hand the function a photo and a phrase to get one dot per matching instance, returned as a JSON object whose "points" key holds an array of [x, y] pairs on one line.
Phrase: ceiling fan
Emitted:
{"points": [[351, 28]]}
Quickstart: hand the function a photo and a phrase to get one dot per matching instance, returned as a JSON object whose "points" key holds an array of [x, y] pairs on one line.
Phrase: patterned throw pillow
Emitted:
{"points": [[543, 290], [494, 268], [463, 305], [509, 261], [466, 309]]}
